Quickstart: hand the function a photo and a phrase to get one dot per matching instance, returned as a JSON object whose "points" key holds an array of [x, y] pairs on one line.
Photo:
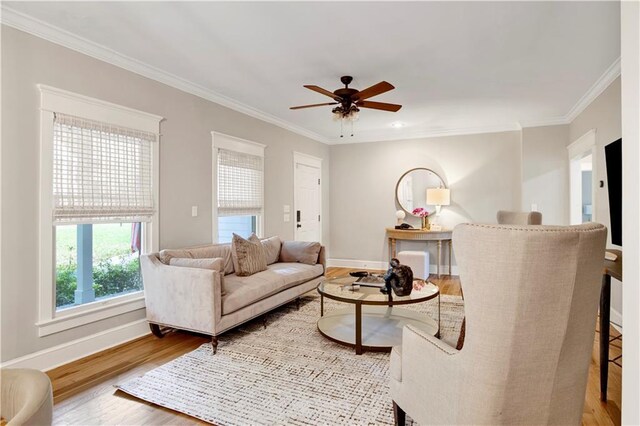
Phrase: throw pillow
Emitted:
{"points": [[216, 263], [300, 251], [271, 249], [249, 256]]}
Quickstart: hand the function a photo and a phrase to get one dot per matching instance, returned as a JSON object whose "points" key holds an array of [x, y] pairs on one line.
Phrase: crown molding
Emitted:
{"points": [[552, 121], [427, 133], [69, 40], [594, 91]]}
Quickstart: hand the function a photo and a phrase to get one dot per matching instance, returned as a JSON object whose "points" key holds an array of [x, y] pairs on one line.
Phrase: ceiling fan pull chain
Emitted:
{"points": [[351, 128], [341, 127]]}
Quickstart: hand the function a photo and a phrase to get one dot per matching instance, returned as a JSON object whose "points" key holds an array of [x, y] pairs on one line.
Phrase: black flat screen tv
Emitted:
{"points": [[613, 159]]}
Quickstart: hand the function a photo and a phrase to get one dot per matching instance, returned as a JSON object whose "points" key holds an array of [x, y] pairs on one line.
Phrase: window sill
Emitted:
{"points": [[91, 312]]}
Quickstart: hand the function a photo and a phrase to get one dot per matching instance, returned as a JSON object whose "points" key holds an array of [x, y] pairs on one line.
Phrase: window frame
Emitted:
{"points": [[54, 100], [232, 143]]}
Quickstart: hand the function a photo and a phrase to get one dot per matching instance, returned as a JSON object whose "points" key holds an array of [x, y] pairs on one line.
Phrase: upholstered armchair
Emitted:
{"points": [[27, 398], [531, 301], [519, 218]]}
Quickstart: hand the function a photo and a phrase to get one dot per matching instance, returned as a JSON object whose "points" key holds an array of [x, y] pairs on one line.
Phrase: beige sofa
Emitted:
{"points": [[212, 302]]}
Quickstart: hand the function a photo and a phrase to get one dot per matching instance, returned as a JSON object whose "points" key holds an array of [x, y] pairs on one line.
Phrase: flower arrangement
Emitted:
{"points": [[420, 211], [424, 214]]}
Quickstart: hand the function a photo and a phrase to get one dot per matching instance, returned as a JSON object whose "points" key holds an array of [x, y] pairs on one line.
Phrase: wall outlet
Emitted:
{"points": [[194, 211], [287, 209], [287, 217]]}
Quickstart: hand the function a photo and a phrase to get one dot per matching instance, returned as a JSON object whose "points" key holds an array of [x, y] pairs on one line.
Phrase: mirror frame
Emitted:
{"points": [[444, 185]]}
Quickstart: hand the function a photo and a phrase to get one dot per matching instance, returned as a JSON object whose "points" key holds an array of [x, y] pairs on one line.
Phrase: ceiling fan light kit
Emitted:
{"points": [[350, 100]]}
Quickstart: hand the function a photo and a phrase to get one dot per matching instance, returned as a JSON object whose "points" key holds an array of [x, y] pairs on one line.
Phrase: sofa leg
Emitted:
{"points": [[399, 415], [298, 304], [156, 331], [264, 321], [214, 345]]}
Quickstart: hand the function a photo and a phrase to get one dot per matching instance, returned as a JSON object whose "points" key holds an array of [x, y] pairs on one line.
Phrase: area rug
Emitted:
{"points": [[284, 374]]}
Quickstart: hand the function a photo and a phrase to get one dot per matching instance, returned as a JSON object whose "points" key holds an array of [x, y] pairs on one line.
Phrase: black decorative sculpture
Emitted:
{"points": [[399, 278]]}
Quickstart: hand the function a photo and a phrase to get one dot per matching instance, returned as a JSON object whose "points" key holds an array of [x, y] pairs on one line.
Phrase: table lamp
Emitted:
{"points": [[438, 197]]}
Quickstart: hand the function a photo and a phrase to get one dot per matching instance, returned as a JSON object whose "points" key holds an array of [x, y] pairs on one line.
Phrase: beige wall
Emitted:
{"points": [[483, 172], [185, 169], [605, 115], [545, 172]]}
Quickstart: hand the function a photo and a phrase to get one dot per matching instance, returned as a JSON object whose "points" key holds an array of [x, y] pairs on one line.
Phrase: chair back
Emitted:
{"points": [[531, 302], [519, 218]]}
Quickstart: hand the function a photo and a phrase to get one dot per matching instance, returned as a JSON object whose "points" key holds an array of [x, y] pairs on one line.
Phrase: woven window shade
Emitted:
{"points": [[239, 184], [101, 172]]}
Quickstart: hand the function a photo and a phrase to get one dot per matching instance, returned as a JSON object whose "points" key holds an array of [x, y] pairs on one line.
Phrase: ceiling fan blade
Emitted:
{"points": [[322, 91], [313, 105], [379, 105], [374, 90]]}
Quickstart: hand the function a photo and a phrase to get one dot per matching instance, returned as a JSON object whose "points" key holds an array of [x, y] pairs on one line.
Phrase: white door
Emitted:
{"points": [[307, 199]]}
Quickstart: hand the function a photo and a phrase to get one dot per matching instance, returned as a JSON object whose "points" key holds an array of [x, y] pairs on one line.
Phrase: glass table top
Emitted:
{"points": [[342, 290]]}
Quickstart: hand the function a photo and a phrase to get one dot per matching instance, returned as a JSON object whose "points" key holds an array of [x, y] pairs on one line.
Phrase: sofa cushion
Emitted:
{"points": [[248, 255], [201, 252], [243, 291], [271, 247], [300, 251], [215, 263]]}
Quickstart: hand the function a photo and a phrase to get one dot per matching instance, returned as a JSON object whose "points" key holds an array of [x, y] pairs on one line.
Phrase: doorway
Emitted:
{"points": [[307, 197], [581, 179]]}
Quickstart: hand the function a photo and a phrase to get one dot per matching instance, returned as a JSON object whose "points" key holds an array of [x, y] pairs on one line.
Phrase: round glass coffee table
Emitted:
{"points": [[372, 321]]}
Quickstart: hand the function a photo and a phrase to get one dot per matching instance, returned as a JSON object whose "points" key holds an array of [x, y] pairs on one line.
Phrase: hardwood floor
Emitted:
{"points": [[84, 393]]}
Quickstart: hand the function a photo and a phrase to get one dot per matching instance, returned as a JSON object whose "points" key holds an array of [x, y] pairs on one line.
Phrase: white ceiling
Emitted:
{"points": [[457, 66]]}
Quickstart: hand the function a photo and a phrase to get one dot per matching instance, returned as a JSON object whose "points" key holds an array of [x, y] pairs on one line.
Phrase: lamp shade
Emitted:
{"points": [[438, 196]]}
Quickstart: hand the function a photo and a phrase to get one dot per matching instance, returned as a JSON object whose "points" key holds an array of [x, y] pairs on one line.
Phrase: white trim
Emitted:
{"points": [[63, 101], [583, 144], [65, 353], [56, 100], [91, 312], [594, 91], [74, 42], [377, 265], [581, 147], [232, 143], [311, 161], [65, 38]]}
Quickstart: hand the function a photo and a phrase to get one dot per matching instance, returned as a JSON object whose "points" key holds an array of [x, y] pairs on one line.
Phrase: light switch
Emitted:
{"points": [[286, 209], [194, 211], [534, 207], [287, 217]]}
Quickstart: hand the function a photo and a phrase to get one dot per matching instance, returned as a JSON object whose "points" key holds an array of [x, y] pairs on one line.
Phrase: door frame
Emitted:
{"points": [[583, 146], [307, 160]]}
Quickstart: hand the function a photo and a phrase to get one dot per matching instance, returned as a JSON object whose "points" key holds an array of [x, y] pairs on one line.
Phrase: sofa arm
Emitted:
{"points": [[185, 298], [322, 258]]}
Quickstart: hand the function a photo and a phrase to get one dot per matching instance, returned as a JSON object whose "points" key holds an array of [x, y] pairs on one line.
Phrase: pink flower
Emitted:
{"points": [[419, 211]]}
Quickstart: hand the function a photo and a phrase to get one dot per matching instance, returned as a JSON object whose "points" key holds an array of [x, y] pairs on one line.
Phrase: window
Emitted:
{"points": [[238, 187], [99, 177]]}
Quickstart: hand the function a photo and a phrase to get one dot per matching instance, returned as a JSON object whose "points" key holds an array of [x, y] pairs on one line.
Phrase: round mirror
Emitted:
{"points": [[411, 190]]}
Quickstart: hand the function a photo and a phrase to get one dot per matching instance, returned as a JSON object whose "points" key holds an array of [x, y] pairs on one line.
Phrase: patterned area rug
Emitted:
{"points": [[284, 374]]}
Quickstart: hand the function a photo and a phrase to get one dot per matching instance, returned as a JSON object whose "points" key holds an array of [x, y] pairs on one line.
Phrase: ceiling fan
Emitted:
{"points": [[350, 100]]}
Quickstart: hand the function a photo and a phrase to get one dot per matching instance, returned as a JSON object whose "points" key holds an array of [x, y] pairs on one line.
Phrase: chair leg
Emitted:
{"points": [[214, 344], [399, 415], [156, 331]]}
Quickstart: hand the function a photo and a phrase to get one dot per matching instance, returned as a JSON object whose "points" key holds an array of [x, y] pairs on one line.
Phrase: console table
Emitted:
{"points": [[420, 235]]}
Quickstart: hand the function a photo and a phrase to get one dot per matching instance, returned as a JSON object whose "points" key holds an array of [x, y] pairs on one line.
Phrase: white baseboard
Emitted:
{"points": [[65, 353], [374, 264]]}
